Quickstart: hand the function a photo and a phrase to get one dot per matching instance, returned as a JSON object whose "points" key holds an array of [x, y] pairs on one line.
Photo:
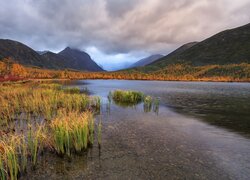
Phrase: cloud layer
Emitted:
{"points": [[118, 26]]}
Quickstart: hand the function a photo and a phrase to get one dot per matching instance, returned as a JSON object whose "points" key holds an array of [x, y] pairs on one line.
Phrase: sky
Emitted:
{"points": [[117, 33]]}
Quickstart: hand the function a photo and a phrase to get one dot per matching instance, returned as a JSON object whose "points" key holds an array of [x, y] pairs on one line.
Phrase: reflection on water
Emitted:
{"points": [[225, 105], [175, 144]]}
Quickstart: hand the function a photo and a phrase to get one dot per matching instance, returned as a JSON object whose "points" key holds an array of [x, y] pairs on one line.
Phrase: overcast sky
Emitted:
{"points": [[118, 32]]}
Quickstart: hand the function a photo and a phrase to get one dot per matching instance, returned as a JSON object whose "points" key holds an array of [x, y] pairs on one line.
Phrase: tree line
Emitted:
{"points": [[174, 72]]}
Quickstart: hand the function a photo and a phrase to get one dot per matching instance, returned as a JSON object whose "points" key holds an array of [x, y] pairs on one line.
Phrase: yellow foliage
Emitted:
{"points": [[3, 68], [18, 70]]}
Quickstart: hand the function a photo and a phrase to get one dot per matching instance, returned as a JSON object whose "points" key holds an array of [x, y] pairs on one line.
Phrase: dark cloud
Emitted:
{"points": [[118, 26]]}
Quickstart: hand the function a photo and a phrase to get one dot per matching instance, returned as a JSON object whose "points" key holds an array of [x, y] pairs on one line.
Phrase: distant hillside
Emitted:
{"points": [[79, 60], [67, 59], [147, 60], [228, 47], [22, 54]]}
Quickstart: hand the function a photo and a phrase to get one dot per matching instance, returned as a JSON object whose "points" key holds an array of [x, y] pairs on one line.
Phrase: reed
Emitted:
{"points": [[72, 132], [91, 127], [99, 131], [147, 100], [156, 105], [97, 102], [12, 162], [9, 166], [14, 156], [23, 151], [33, 145]]}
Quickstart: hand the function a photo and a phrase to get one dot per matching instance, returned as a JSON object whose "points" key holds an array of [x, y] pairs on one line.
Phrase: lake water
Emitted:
{"points": [[202, 131]]}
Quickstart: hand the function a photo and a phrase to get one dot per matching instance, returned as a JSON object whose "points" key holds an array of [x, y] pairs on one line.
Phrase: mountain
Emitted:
{"points": [[227, 47], [67, 59], [58, 61], [22, 54], [79, 60], [147, 60]]}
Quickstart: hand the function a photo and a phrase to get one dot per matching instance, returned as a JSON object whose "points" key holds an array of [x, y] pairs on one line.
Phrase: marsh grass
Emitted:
{"points": [[72, 132], [68, 128], [126, 98], [74, 90], [147, 100], [23, 151], [50, 86], [9, 159], [42, 100], [156, 105], [35, 140], [99, 133]]}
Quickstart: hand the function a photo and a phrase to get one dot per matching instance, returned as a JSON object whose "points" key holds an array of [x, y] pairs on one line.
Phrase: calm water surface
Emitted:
{"points": [[202, 131]]}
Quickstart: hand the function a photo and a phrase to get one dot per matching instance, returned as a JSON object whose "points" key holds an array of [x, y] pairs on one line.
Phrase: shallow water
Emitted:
{"points": [[202, 131]]}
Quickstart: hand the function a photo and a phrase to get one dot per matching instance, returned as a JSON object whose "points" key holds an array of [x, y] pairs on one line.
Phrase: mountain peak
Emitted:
{"points": [[67, 49], [80, 59], [71, 49]]}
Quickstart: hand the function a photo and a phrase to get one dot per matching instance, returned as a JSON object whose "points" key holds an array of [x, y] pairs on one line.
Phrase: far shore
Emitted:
{"points": [[71, 79]]}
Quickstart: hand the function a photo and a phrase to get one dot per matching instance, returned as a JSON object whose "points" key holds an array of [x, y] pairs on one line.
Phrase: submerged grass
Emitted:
{"points": [[58, 120]]}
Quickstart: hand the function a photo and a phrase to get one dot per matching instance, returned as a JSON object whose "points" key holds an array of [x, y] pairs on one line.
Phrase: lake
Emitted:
{"points": [[201, 131]]}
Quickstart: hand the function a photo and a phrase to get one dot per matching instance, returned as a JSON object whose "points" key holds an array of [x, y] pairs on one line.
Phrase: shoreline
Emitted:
{"points": [[76, 79]]}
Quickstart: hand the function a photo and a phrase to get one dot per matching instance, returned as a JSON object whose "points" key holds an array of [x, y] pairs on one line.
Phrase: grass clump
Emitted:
{"points": [[72, 132], [35, 142], [127, 97], [9, 158]]}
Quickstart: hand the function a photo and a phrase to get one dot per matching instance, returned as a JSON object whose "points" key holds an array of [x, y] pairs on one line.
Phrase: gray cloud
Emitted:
{"points": [[118, 26]]}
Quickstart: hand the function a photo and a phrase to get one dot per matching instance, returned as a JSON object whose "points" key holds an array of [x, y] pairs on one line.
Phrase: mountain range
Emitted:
{"points": [[66, 59], [227, 47]]}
